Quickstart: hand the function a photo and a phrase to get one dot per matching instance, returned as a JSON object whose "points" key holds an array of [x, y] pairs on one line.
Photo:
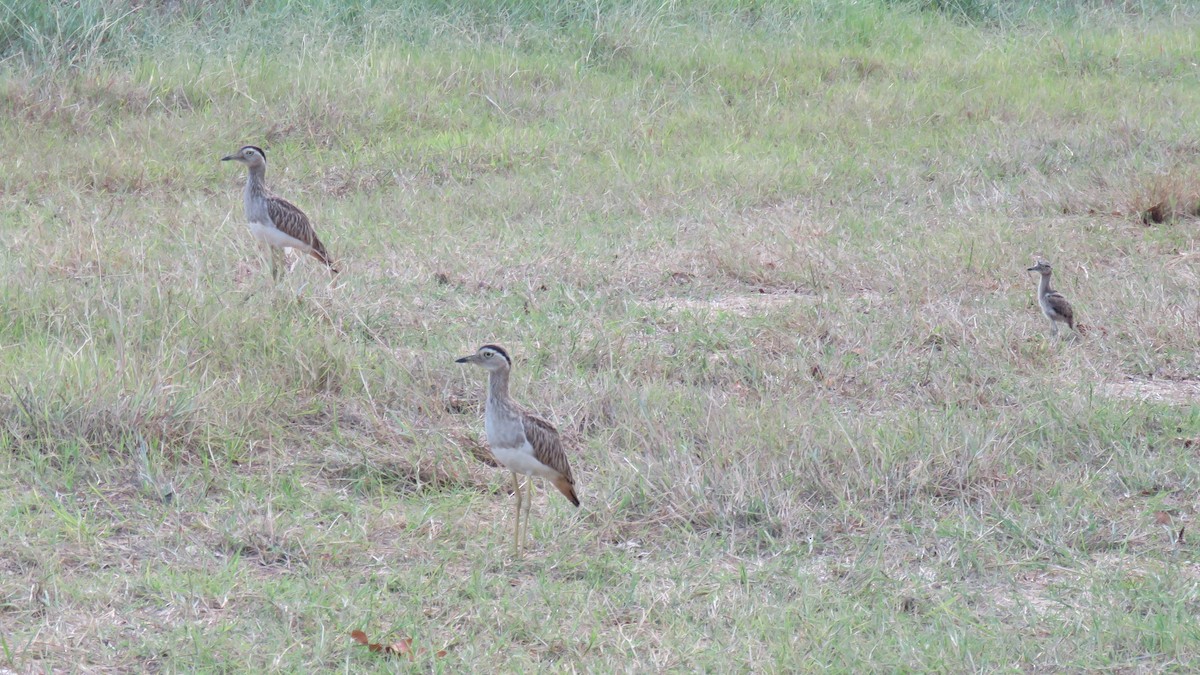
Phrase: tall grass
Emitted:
{"points": [[65, 34], [762, 263]]}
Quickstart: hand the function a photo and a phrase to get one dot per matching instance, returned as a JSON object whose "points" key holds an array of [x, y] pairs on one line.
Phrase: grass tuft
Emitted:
{"points": [[761, 263], [1168, 197]]}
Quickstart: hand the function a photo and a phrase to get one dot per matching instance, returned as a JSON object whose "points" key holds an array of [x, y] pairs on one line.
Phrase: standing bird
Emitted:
{"points": [[275, 222], [1053, 304], [523, 442]]}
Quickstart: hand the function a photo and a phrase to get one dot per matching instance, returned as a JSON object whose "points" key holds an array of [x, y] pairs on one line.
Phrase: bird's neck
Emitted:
{"points": [[1044, 286], [497, 387], [256, 180]]}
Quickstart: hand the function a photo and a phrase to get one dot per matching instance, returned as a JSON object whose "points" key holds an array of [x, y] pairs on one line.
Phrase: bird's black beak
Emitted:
{"points": [[465, 359], [226, 158], [1031, 269]]}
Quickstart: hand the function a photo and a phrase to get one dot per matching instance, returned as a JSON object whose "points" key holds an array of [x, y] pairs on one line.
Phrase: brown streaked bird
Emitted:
{"points": [[523, 442], [275, 222], [1053, 304]]}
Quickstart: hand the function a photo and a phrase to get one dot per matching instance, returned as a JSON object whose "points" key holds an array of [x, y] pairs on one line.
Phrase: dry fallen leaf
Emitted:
{"points": [[403, 647], [361, 638]]}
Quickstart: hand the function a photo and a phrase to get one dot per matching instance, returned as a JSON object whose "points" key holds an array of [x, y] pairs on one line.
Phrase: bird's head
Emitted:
{"points": [[250, 155], [489, 357], [1042, 267]]}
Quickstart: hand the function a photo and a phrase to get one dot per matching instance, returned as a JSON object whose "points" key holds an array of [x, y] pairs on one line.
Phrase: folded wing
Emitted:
{"points": [[548, 449], [1061, 307], [289, 219]]}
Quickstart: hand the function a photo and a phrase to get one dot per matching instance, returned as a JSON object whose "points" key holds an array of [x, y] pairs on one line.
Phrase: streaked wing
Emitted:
{"points": [[1060, 306], [292, 221], [547, 446], [289, 219]]}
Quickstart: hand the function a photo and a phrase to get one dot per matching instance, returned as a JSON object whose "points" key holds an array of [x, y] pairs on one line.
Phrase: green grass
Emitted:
{"points": [[762, 263]]}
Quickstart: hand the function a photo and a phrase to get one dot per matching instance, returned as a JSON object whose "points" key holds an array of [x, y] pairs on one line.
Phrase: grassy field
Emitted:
{"points": [[762, 263]]}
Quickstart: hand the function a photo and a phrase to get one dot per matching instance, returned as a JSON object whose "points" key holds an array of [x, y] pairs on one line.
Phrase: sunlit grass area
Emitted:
{"points": [[763, 264]]}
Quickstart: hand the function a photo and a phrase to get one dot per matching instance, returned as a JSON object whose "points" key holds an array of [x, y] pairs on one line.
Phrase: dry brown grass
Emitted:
{"points": [[769, 284]]}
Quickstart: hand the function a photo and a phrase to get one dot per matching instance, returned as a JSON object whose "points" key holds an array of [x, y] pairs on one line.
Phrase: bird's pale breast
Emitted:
{"points": [[269, 234], [521, 460]]}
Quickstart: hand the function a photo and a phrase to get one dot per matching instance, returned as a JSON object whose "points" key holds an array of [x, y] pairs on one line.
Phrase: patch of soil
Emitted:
{"points": [[744, 305], [1175, 392]]}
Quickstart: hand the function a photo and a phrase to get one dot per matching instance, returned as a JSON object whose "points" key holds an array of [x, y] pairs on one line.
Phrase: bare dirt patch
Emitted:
{"points": [[744, 305], [409, 475], [1175, 392], [1033, 588]]}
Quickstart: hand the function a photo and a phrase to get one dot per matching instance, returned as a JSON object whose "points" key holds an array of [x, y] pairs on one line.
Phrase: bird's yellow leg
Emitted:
{"points": [[517, 533], [278, 263], [264, 254], [530, 491]]}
